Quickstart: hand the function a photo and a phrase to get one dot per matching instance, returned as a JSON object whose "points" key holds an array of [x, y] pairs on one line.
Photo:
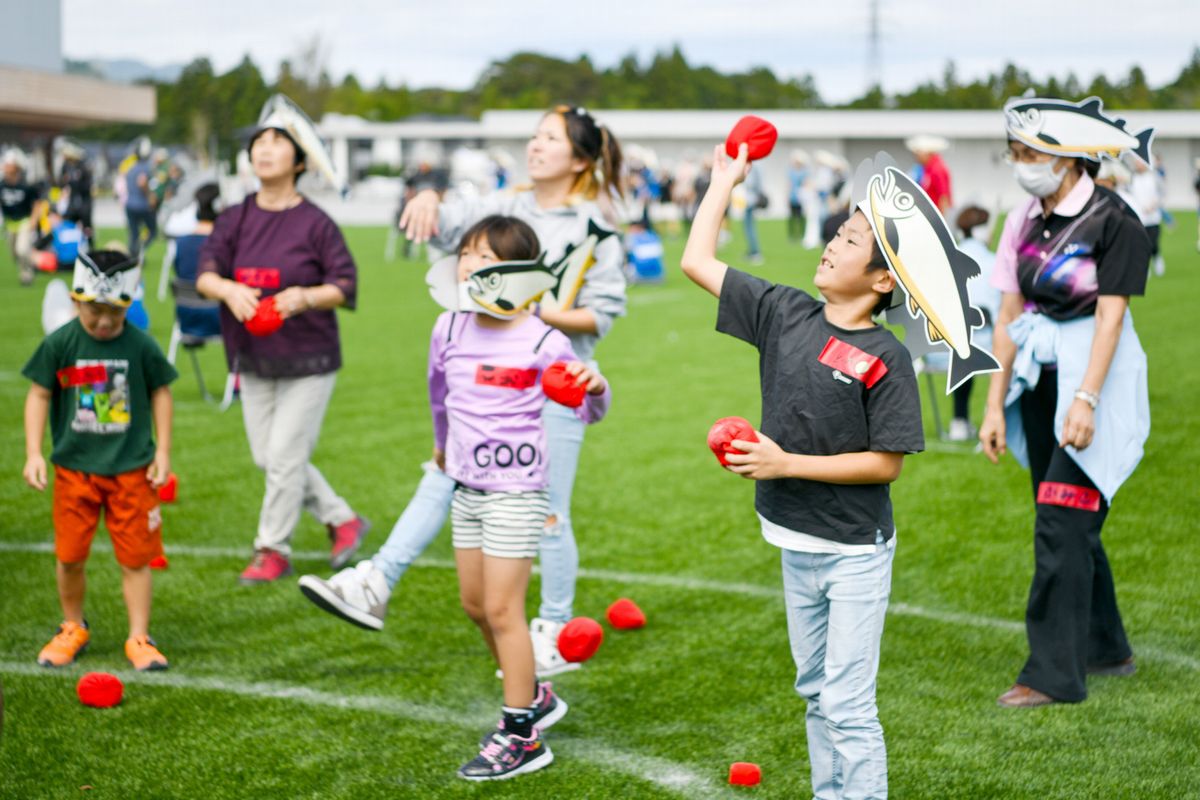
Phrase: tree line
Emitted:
{"points": [[202, 108]]}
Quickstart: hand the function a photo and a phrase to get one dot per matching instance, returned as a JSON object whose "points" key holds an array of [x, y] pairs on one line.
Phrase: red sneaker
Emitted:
{"points": [[267, 566], [346, 538]]}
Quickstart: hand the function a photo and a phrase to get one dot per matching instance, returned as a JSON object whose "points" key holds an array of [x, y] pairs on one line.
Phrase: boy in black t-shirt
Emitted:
{"points": [[840, 410], [101, 383]]}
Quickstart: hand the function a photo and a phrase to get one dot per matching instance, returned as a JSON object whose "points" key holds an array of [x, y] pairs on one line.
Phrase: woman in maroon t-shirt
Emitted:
{"points": [[278, 247]]}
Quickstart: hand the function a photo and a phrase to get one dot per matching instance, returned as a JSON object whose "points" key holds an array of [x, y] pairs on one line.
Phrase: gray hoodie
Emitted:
{"points": [[603, 290]]}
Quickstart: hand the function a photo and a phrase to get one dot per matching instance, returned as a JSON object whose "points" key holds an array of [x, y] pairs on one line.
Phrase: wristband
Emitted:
{"points": [[1091, 399]]}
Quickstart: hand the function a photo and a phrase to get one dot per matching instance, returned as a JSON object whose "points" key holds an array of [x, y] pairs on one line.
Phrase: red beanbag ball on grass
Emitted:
{"points": [[579, 639], [266, 319], [758, 134], [724, 431], [560, 386], [743, 773], [624, 614], [100, 690]]}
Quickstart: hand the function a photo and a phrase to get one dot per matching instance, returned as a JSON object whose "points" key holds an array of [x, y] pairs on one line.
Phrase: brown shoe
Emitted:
{"points": [[1021, 696], [1116, 668]]}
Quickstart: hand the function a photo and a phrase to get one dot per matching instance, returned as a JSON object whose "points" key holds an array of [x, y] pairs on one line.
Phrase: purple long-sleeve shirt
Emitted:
{"points": [[485, 391], [271, 251]]}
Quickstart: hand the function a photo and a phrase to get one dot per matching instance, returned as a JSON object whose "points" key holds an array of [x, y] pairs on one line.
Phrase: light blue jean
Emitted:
{"points": [[750, 226], [835, 610], [426, 513]]}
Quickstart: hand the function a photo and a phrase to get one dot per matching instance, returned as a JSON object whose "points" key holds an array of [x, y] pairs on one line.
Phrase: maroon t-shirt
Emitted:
{"points": [[272, 250]]}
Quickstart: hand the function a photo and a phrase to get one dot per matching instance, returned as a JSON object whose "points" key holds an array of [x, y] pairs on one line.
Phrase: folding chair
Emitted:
{"points": [[164, 274], [197, 319], [928, 365]]}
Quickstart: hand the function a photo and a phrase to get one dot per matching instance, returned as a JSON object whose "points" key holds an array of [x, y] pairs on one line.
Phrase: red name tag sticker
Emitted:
{"points": [[257, 277], [82, 376], [1068, 496], [852, 362], [505, 377]]}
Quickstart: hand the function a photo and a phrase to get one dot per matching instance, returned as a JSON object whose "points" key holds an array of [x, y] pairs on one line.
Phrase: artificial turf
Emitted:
{"points": [[267, 696]]}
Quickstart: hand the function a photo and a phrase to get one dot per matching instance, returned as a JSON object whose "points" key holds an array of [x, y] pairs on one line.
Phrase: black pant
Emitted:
{"points": [[1072, 619], [138, 220], [795, 222], [962, 399]]}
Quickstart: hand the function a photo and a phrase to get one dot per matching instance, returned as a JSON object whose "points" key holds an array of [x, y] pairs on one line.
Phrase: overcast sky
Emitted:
{"points": [[448, 42]]}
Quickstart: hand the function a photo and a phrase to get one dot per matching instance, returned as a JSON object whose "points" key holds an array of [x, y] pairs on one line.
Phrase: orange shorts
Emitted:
{"points": [[131, 514]]}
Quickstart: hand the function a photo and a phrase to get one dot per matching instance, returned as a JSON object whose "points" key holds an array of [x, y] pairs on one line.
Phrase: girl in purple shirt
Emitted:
{"points": [[486, 398]]}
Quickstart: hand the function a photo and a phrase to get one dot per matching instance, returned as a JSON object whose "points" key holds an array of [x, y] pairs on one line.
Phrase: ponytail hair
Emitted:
{"points": [[595, 144]]}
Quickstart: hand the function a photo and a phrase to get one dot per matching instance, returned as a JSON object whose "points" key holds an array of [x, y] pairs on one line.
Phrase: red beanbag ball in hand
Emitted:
{"points": [[100, 690], [169, 490], [625, 615], [579, 639], [758, 134], [266, 319], [724, 431], [560, 386]]}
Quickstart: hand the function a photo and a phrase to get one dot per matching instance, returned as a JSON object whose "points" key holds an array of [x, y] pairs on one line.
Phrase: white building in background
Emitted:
{"points": [[976, 139]]}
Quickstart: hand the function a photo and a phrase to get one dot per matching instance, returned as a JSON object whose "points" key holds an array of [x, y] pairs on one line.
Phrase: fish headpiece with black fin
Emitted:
{"points": [[504, 289], [282, 114], [106, 276], [922, 255], [1075, 130]]}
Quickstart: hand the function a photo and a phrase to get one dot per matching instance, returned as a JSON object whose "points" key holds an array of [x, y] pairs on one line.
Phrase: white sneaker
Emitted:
{"points": [[357, 594], [960, 430], [547, 660]]}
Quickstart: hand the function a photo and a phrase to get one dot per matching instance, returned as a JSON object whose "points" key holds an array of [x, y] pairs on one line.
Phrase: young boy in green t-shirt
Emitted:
{"points": [[100, 382]]}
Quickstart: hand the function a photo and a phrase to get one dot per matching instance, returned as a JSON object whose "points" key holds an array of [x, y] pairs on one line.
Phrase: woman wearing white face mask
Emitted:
{"points": [[1071, 401]]}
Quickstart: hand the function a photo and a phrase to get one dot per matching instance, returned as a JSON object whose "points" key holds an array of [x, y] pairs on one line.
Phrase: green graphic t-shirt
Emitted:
{"points": [[100, 418]]}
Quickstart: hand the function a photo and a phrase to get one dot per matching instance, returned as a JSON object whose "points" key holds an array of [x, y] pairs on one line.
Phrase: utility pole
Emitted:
{"points": [[874, 60]]}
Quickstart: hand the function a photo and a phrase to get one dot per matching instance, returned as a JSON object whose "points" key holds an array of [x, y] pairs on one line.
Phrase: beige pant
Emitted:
{"points": [[20, 244], [283, 420]]}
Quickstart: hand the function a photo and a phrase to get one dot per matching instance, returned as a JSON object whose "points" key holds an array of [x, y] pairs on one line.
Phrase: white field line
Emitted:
{"points": [[644, 579], [658, 771]]}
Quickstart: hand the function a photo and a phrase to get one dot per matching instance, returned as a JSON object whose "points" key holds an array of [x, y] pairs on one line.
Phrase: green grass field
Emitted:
{"points": [[269, 697]]}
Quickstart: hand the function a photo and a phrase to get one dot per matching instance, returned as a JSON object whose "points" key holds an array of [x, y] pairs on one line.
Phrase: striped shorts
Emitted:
{"points": [[504, 524]]}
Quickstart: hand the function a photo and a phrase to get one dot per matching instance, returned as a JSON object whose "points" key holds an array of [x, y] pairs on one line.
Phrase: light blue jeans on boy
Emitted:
{"points": [[426, 513], [835, 609]]}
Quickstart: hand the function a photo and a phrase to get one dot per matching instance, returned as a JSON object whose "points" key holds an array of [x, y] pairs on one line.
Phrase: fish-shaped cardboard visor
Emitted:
{"points": [[281, 113], [930, 269], [504, 289], [1076, 130], [106, 276]]}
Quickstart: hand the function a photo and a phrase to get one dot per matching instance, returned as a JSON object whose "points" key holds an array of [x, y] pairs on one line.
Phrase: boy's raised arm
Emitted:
{"points": [[700, 262]]}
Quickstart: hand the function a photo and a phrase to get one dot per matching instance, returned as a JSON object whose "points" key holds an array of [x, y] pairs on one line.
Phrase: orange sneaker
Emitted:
{"points": [[71, 640], [143, 654]]}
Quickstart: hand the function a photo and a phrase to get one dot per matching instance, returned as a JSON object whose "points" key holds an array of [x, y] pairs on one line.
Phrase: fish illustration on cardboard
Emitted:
{"points": [[504, 289], [281, 113], [1077, 130], [929, 267]]}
